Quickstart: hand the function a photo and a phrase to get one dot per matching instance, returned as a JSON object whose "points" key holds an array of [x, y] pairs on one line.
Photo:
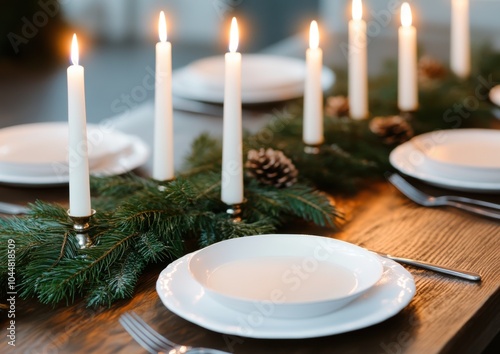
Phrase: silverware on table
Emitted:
{"points": [[479, 207], [192, 106], [440, 269], [13, 209], [154, 342]]}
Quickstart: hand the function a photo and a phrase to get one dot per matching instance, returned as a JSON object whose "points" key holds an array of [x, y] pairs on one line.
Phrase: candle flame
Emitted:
{"points": [[314, 35], [162, 27], [357, 10], [406, 18], [233, 36], [74, 50]]}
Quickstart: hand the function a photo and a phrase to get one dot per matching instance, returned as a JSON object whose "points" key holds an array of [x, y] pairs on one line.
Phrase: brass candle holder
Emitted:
{"points": [[235, 210], [81, 225], [408, 115]]}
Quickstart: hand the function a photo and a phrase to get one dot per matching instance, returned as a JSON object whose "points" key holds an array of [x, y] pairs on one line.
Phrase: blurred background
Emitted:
{"points": [[30, 26], [117, 41]]}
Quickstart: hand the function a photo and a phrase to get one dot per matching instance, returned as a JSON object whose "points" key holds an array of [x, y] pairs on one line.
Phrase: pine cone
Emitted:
{"points": [[430, 69], [271, 167], [392, 129], [337, 106]]}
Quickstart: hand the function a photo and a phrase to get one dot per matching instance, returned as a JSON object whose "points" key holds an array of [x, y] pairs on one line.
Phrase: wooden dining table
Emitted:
{"points": [[447, 314]]}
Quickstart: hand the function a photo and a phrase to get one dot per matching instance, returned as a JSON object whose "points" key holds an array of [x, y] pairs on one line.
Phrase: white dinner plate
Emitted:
{"points": [[38, 149], [265, 78], [495, 95], [132, 158], [243, 271], [181, 294], [411, 161]]}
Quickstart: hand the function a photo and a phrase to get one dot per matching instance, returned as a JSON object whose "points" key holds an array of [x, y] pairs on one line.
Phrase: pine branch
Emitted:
{"points": [[205, 156]]}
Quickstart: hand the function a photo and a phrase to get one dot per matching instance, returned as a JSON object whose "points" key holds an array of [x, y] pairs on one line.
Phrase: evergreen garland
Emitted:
{"points": [[139, 223], [142, 221]]}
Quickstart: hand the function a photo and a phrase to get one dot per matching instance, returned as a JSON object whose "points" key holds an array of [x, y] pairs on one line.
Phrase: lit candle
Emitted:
{"points": [[358, 70], [313, 93], [232, 157], [407, 62], [79, 186], [460, 38], [163, 154]]}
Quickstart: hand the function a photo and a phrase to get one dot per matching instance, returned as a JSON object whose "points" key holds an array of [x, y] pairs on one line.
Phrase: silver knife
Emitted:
{"points": [[421, 264], [13, 209]]}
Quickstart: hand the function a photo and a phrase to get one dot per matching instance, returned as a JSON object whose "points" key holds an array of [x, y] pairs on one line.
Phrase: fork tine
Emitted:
{"points": [[147, 333], [154, 335], [125, 321], [407, 189], [154, 342]]}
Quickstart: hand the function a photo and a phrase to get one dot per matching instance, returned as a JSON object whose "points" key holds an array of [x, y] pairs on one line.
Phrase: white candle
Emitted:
{"points": [[163, 153], [460, 38], [79, 186], [357, 66], [313, 93], [232, 157], [407, 62]]}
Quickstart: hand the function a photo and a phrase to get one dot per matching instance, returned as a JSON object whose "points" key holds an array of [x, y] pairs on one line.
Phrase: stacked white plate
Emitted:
{"points": [[284, 286], [461, 159], [265, 78], [37, 154]]}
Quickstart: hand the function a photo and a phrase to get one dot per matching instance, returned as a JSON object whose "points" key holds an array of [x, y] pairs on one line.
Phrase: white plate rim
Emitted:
{"points": [[459, 135], [249, 96], [202, 310], [297, 66], [400, 160], [55, 126], [137, 157]]}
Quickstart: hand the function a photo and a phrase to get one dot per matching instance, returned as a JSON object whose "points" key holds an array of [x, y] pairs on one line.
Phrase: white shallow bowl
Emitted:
{"points": [[463, 154], [292, 276], [41, 149]]}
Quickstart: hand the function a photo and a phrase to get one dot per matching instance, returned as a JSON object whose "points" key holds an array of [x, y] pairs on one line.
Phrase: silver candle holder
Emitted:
{"points": [[312, 149], [81, 225]]}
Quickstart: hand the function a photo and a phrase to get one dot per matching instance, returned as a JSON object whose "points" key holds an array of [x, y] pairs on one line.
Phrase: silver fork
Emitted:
{"points": [[154, 342], [468, 204]]}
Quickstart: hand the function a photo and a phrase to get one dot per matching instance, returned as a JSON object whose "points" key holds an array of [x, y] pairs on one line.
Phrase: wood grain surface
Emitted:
{"points": [[447, 315]]}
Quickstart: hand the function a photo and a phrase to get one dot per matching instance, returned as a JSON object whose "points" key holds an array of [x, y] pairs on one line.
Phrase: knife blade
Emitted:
{"points": [[437, 268], [13, 209]]}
